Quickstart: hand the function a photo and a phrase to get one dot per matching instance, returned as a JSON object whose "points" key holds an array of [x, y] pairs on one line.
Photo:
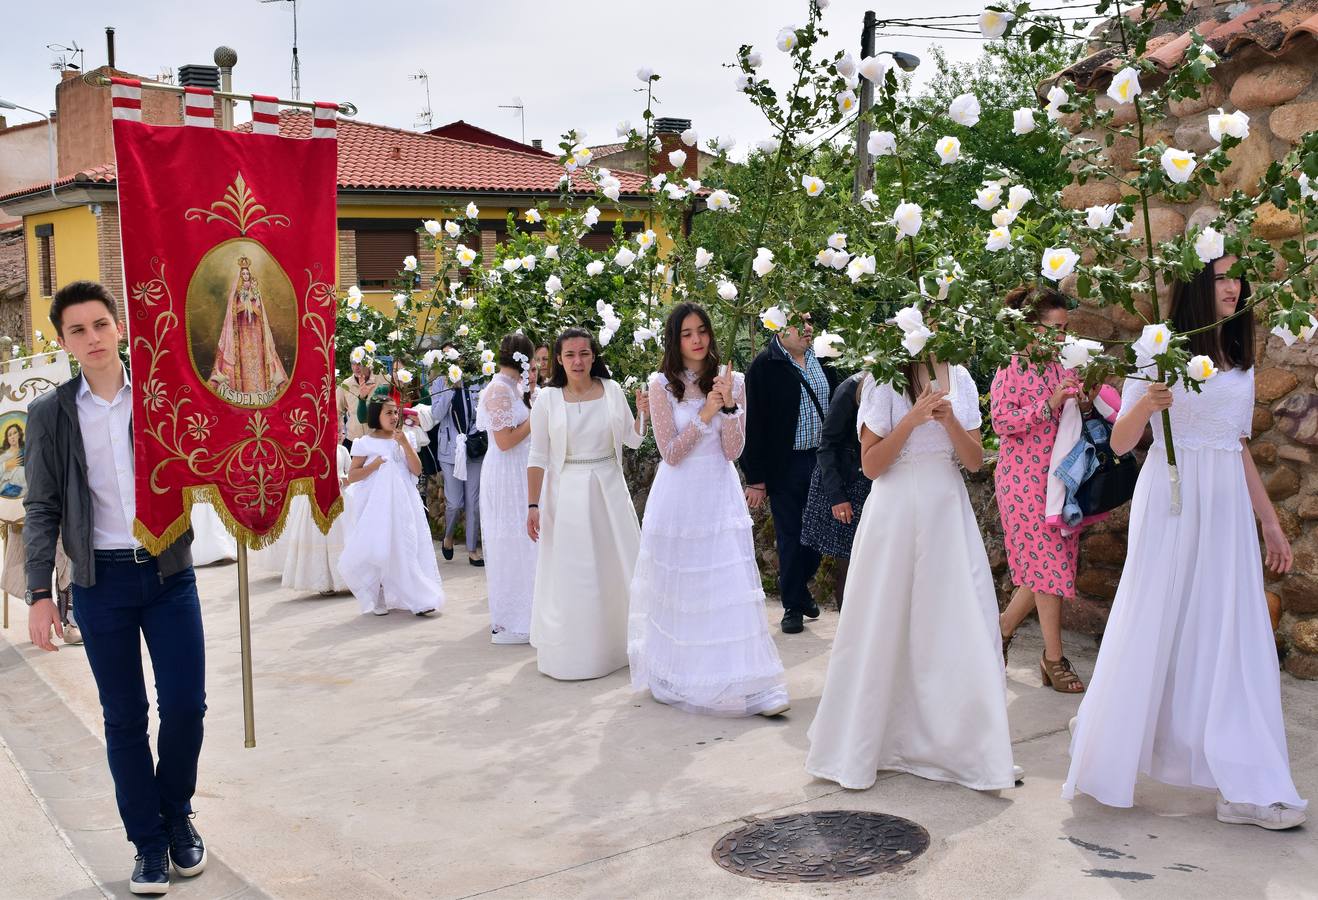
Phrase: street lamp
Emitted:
{"points": [[50, 136], [907, 62]]}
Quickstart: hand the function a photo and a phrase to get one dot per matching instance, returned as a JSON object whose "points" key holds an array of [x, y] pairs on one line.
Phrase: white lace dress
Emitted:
{"points": [[915, 682], [697, 634], [510, 555], [1186, 689], [388, 560]]}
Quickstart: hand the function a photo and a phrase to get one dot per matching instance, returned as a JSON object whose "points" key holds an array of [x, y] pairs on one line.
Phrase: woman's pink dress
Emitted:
{"points": [[1039, 556]]}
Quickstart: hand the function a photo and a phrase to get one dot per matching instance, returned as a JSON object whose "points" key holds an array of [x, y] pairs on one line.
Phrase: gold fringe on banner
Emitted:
{"points": [[206, 493]]}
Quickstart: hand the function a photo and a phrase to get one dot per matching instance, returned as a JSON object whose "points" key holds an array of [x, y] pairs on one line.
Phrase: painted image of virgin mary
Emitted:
{"points": [[246, 360]]}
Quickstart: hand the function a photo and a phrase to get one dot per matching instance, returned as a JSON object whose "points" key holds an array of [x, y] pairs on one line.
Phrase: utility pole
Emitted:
{"points": [[864, 169]]}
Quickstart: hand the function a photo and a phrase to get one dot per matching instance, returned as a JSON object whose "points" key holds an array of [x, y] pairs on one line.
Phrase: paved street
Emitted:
{"points": [[407, 757]]}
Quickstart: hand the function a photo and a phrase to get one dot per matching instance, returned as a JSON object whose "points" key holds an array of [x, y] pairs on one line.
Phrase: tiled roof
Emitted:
{"points": [[379, 158], [1273, 27], [608, 149], [102, 174]]}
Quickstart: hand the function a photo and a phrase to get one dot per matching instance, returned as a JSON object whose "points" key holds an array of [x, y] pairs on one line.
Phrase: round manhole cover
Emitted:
{"points": [[820, 846]]}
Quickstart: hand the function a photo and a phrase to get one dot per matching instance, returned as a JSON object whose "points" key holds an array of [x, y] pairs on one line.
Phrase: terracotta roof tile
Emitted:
{"points": [[1274, 27], [379, 158]]}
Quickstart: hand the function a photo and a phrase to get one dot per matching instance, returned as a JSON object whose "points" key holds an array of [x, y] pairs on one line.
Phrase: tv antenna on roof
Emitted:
{"points": [[519, 110], [426, 121], [296, 78], [63, 63]]}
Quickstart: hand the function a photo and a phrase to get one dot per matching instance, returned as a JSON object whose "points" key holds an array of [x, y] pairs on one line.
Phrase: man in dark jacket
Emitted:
{"points": [[787, 394], [80, 481]]}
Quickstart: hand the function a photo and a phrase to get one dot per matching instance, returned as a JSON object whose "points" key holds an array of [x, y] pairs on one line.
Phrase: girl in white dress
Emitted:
{"points": [[915, 683], [581, 513], [1186, 689], [388, 560], [311, 557], [504, 413], [211, 541], [697, 637]]}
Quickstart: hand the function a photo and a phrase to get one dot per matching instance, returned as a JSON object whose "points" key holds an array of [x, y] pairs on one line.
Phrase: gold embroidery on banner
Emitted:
{"points": [[238, 207]]}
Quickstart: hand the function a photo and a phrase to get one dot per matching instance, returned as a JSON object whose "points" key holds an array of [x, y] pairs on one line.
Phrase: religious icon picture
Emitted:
{"points": [[13, 431], [242, 322]]}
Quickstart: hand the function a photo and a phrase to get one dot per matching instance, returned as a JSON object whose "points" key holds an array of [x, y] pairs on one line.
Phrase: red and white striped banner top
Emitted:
{"points": [[265, 114], [199, 107], [324, 123], [126, 99]]}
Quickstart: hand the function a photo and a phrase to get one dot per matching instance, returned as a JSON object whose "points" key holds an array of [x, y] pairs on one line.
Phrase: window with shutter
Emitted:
{"points": [[380, 254], [46, 265]]}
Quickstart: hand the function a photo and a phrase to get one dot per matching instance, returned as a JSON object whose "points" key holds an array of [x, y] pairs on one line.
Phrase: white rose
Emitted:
{"points": [[369, 345], [466, 255], [358, 354], [594, 268], [1125, 86], [690, 137], [949, 150], [591, 218], [1004, 217], [677, 158], [882, 143], [606, 335], [846, 100], [846, 66], [551, 251], [989, 196], [553, 284], [1178, 164], [1058, 262], [404, 376], [1154, 341], [1209, 245], [623, 128], [860, 266], [874, 68], [645, 74], [964, 110], [767, 146], [1022, 120], [837, 240], [703, 257], [532, 216], [451, 354], [528, 262], [908, 217], [432, 227], [1076, 352], [915, 340], [1221, 124], [624, 258], [727, 290], [763, 262], [1057, 96], [719, 201], [993, 24], [754, 59], [813, 186], [1201, 368], [909, 318], [786, 39], [998, 239], [774, 319], [1100, 216], [1018, 196], [409, 263], [472, 211], [400, 300], [726, 143], [826, 345]]}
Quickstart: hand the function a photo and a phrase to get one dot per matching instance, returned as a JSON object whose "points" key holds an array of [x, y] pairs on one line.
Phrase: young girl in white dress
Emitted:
{"points": [[310, 557], [580, 511], [698, 638], [916, 683], [504, 413], [1186, 689], [388, 560]]}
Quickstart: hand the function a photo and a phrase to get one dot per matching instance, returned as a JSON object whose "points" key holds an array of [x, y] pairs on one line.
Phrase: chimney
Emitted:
{"points": [[199, 76], [537, 143], [109, 46], [669, 131]]}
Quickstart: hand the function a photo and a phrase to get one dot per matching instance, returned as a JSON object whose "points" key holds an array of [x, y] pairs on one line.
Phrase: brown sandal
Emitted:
{"points": [[1006, 645], [1060, 676]]}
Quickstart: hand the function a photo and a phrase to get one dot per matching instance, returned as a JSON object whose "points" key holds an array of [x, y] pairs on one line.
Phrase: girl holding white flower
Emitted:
{"points": [[698, 638], [1186, 689], [504, 413], [388, 560], [580, 512], [919, 595]]}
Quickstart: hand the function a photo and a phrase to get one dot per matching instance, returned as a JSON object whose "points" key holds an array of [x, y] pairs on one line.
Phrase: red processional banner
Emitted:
{"points": [[228, 251]]}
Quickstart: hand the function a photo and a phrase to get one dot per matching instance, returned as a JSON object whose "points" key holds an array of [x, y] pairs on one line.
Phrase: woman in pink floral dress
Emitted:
{"points": [[1026, 402]]}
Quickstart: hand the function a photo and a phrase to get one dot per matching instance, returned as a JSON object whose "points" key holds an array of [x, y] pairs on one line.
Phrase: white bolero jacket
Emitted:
{"points": [[549, 426]]}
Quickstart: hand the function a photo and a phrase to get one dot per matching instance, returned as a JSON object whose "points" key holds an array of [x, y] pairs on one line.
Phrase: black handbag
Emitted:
{"points": [[477, 443], [1113, 482]]}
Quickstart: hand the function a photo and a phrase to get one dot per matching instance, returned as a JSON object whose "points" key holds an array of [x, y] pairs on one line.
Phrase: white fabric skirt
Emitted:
{"points": [[697, 637], [388, 561], [1187, 689], [588, 543], [916, 683], [311, 559], [211, 541], [510, 555]]}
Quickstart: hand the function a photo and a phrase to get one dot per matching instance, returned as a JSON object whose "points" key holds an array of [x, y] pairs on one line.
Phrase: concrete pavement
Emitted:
{"points": [[406, 757]]}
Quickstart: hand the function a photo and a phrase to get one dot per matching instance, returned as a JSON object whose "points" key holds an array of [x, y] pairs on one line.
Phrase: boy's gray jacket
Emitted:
{"points": [[59, 498]]}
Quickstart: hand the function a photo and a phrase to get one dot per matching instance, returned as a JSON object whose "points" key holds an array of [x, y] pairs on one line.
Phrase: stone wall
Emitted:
{"points": [[1281, 98]]}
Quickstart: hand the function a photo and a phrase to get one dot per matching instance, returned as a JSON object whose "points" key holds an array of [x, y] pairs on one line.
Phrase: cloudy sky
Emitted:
{"points": [[571, 65]]}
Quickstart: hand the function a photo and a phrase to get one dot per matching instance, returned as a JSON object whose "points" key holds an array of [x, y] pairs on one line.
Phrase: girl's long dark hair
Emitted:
{"points": [[673, 365], [1194, 305], [597, 367], [517, 343]]}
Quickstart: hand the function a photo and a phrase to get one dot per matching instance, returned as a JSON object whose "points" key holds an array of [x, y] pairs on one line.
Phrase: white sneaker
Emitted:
{"points": [[72, 635], [777, 710], [1018, 774], [1275, 817]]}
